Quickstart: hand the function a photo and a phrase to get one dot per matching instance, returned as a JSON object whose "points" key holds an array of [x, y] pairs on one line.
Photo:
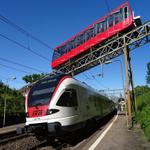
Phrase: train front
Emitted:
{"points": [[38, 112]]}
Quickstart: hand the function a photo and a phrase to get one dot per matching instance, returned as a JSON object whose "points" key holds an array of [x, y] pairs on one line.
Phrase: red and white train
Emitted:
{"points": [[61, 103], [120, 20]]}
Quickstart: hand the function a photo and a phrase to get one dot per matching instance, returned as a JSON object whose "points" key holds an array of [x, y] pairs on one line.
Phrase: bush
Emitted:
{"points": [[144, 117], [143, 114], [147, 132]]}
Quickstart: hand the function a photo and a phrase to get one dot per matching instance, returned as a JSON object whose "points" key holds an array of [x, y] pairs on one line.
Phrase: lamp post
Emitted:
{"points": [[5, 99]]}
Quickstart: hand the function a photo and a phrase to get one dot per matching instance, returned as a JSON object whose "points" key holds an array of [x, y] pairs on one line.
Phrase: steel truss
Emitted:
{"points": [[101, 53]]}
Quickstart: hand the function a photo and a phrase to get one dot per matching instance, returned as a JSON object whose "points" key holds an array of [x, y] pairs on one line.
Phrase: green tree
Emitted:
{"points": [[15, 100], [32, 78], [140, 90], [148, 73]]}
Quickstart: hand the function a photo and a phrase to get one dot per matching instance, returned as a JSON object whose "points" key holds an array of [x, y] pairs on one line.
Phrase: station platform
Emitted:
{"points": [[11, 128], [118, 137]]}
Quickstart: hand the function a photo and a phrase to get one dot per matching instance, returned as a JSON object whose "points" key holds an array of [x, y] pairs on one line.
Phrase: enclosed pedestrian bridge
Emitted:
{"points": [[111, 49]]}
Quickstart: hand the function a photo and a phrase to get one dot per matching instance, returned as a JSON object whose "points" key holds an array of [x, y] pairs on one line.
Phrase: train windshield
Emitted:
{"points": [[41, 93]]}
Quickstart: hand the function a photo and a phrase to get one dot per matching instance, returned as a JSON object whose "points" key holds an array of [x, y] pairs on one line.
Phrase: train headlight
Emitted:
{"points": [[51, 111]]}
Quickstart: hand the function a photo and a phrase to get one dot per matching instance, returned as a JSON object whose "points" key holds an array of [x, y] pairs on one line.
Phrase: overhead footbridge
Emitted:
{"points": [[112, 49]]}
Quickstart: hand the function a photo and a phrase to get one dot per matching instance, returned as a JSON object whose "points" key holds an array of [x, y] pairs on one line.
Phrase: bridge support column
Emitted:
{"points": [[134, 102], [131, 101], [127, 89]]}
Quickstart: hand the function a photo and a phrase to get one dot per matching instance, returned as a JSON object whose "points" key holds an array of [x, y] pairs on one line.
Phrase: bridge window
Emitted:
{"points": [[56, 54], [89, 34], [103, 26], [95, 30], [63, 49], [117, 16], [82, 38], [110, 21], [92, 32], [68, 99], [98, 27], [68, 47], [77, 41], [126, 12], [72, 44]]}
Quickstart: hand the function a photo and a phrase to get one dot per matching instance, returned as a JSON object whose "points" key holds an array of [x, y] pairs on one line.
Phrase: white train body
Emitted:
{"points": [[69, 106]]}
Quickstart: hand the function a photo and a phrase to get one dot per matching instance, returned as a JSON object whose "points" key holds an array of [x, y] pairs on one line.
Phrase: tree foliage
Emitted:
{"points": [[32, 78], [15, 100], [148, 73], [140, 90]]}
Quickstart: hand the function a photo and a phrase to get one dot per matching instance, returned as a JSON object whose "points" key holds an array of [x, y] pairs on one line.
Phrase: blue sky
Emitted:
{"points": [[54, 21]]}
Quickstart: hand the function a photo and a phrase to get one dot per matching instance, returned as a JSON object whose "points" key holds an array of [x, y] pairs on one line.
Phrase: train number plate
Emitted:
{"points": [[37, 113]]}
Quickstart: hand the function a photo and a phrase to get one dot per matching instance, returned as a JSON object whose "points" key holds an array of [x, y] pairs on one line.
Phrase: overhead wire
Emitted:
{"points": [[102, 85], [27, 48], [16, 63], [87, 77], [20, 29], [107, 5], [6, 66]]}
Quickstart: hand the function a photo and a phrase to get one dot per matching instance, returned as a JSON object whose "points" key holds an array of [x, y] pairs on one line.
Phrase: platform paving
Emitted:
{"points": [[120, 138]]}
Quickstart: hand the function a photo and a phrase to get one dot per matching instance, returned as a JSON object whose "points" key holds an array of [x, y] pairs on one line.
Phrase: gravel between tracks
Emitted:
{"points": [[20, 144]]}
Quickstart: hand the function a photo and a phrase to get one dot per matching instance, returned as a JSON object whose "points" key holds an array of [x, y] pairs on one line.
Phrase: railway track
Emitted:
{"points": [[76, 140], [12, 138], [73, 141]]}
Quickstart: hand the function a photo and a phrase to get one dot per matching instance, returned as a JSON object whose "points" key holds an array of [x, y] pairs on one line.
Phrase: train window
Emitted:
{"points": [[110, 21], [68, 99], [125, 12]]}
